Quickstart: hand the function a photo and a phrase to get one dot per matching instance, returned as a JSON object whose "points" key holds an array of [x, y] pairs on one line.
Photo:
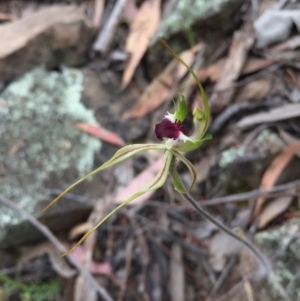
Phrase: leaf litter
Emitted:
{"points": [[238, 78]]}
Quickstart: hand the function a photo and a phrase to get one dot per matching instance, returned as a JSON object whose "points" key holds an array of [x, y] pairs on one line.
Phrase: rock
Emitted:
{"points": [[188, 13], [54, 35], [40, 148], [284, 252]]}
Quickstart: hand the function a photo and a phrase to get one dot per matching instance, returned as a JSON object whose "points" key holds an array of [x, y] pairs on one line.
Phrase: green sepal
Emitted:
{"points": [[156, 183], [189, 165], [121, 155]]}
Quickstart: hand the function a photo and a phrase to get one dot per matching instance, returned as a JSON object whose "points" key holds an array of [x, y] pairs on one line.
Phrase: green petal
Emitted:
{"points": [[189, 165], [203, 94], [191, 145], [121, 155], [180, 108], [156, 183]]}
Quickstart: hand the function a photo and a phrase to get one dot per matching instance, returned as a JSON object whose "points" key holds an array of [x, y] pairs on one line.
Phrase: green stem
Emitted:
{"points": [[222, 227]]}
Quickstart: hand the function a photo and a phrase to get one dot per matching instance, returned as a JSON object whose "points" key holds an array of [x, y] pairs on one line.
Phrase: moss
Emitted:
{"points": [[38, 140]]}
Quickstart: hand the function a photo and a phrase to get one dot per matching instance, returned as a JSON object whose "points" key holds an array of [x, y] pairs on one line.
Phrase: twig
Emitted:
{"points": [[240, 197], [60, 247], [224, 228], [98, 12], [129, 248], [106, 34], [223, 275]]}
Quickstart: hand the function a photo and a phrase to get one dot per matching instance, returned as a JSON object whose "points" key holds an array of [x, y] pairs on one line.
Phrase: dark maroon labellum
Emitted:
{"points": [[169, 129]]}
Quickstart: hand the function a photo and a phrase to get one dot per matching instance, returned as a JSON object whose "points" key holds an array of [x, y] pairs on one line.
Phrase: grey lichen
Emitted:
{"points": [[284, 252], [39, 142]]}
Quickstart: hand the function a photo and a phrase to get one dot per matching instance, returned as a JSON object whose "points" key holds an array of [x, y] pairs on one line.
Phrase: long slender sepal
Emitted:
{"points": [[156, 183], [189, 165], [121, 155]]}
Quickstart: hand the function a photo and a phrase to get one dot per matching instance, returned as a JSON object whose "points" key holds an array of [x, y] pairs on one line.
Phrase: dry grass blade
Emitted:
{"points": [[142, 29]]}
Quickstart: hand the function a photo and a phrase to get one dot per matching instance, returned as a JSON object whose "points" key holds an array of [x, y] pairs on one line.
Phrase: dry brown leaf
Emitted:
{"points": [[212, 72], [158, 91], [253, 65], [256, 90], [242, 42], [279, 113], [290, 44], [7, 17], [142, 29], [274, 171], [139, 182], [202, 169], [249, 290], [177, 282], [58, 263], [98, 12], [222, 246], [17, 34], [272, 210]]}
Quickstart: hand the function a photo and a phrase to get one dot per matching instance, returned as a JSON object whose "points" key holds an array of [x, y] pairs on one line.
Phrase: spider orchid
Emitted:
{"points": [[176, 140]]}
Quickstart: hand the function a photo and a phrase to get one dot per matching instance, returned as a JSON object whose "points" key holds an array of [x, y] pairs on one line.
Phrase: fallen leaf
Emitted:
{"points": [[255, 90], [7, 17], [129, 11], [177, 281], [98, 13], [272, 210], [139, 182], [101, 133], [290, 44], [254, 65], [288, 139], [212, 72], [142, 29], [274, 171], [202, 169], [46, 30], [223, 91], [279, 113], [158, 91], [221, 247], [17, 34], [275, 26]]}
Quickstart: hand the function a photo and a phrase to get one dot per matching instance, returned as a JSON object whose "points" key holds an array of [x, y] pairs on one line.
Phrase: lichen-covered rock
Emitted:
{"points": [[283, 249], [39, 145], [187, 13]]}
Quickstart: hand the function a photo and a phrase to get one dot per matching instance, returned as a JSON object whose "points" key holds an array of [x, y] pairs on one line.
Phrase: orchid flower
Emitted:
{"points": [[175, 140]]}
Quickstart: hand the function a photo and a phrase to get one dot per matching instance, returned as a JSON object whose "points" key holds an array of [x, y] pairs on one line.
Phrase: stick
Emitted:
{"points": [[60, 247]]}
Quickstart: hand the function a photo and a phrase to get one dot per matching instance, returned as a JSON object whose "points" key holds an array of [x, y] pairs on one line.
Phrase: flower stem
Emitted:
{"points": [[224, 228]]}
